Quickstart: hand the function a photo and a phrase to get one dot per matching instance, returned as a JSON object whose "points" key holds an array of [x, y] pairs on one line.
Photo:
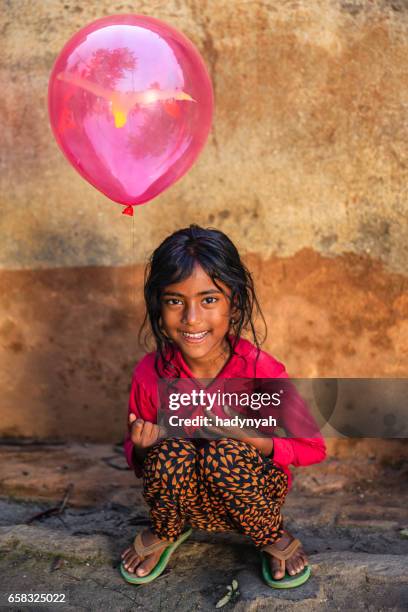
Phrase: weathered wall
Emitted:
{"points": [[68, 335], [305, 169]]}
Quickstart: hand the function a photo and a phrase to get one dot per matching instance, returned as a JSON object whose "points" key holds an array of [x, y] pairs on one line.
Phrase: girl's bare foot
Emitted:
{"points": [[294, 564], [131, 560]]}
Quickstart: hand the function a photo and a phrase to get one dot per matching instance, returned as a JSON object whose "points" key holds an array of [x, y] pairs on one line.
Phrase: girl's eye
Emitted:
{"points": [[175, 301]]}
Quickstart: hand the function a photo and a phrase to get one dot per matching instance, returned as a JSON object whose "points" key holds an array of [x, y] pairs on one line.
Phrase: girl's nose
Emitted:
{"points": [[191, 315]]}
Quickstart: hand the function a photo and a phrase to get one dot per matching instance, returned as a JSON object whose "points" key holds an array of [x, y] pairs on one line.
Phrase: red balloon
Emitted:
{"points": [[130, 104]]}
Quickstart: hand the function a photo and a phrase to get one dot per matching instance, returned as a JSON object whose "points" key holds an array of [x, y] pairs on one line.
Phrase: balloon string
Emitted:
{"points": [[133, 270]]}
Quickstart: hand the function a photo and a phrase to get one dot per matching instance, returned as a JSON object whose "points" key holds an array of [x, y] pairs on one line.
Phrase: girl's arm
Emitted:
{"points": [[141, 405], [298, 451], [306, 444]]}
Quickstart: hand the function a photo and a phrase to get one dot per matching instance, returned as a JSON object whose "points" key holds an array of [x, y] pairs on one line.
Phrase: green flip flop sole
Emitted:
{"points": [[288, 581], [161, 564]]}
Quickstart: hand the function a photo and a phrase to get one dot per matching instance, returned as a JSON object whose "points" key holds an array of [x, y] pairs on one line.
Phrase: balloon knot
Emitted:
{"points": [[128, 211]]}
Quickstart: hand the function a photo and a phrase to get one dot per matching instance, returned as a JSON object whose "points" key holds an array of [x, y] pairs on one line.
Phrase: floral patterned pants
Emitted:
{"points": [[214, 485]]}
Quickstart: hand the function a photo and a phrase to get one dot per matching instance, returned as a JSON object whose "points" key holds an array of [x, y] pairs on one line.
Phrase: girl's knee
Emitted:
{"points": [[226, 447], [172, 447], [226, 460], [168, 458], [216, 461]]}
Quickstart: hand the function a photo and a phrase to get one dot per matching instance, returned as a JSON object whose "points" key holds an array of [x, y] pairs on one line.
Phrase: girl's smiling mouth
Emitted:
{"points": [[194, 338]]}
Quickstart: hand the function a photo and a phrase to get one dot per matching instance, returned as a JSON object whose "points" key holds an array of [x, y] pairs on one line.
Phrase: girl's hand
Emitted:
{"points": [[143, 433], [246, 434]]}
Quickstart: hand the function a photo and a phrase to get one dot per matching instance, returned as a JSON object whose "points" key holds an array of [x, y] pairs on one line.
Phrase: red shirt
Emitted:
{"points": [[144, 400]]}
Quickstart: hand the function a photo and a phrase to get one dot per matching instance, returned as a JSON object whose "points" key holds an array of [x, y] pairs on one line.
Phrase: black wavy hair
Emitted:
{"points": [[173, 261]]}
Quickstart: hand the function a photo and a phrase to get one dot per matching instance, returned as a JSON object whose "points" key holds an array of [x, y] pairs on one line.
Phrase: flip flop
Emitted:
{"points": [[143, 551], [288, 581]]}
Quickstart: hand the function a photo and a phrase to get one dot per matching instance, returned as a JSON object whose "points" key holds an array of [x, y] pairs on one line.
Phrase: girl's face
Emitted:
{"points": [[196, 316]]}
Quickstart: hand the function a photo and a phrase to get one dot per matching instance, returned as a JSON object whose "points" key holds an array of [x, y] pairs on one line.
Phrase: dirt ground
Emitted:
{"points": [[349, 512]]}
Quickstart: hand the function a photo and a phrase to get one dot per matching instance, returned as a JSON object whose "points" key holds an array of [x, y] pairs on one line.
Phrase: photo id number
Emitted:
{"points": [[36, 598]]}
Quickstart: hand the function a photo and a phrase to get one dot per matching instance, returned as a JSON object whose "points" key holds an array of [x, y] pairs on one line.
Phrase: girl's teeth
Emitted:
{"points": [[194, 335]]}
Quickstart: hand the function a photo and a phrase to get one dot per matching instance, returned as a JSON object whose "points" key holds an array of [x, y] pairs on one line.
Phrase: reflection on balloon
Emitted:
{"points": [[130, 104], [122, 102]]}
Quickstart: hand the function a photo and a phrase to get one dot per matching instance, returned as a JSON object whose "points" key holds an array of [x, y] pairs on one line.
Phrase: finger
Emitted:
{"points": [[138, 424], [136, 429], [238, 434], [214, 429], [134, 421], [150, 433], [163, 433], [155, 432], [218, 431], [208, 431], [230, 411], [147, 429]]}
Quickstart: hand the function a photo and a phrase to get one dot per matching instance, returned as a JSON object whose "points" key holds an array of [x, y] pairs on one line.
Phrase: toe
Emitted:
{"points": [[131, 562], [293, 565], [128, 557], [296, 565], [149, 563], [290, 568], [278, 568], [300, 564], [146, 567], [302, 561]]}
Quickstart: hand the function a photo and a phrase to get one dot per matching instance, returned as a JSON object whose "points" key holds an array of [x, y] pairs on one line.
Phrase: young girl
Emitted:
{"points": [[199, 298]]}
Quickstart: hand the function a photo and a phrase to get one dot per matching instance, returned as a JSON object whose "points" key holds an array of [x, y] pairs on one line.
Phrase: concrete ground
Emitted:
{"points": [[350, 514]]}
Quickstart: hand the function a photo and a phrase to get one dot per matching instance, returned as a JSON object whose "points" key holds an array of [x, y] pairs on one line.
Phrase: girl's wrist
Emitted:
{"points": [[264, 445], [268, 447], [139, 453]]}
